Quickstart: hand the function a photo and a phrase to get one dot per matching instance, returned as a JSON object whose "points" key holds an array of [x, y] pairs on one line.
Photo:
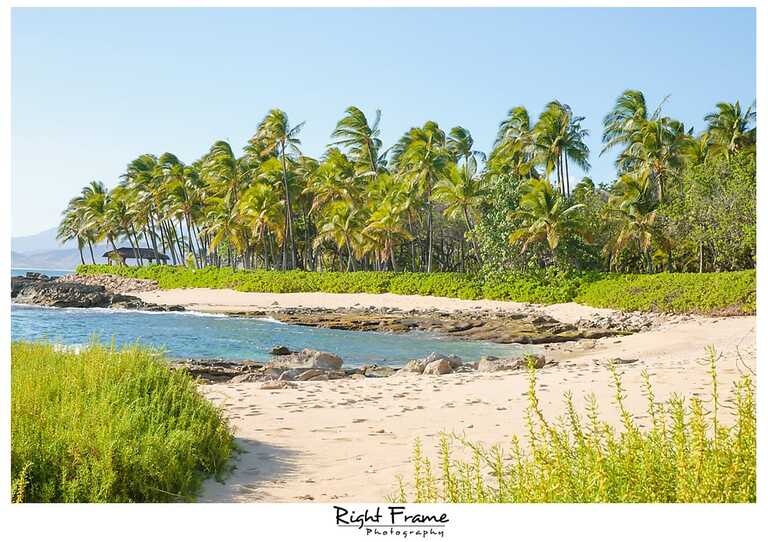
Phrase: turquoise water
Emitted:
{"points": [[197, 335]]}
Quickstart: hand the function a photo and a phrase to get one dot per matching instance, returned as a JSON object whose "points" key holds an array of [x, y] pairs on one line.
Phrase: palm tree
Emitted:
{"points": [[460, 143], [69, 228], [141, 179], [546, 216], [558, 136], [96, 202], [342, 224], [385, 227], [650, 143], [120, 218], [361, 139], [260, 210], [634, 212], [334, 179], [462, 191], [421, 157], [730, 129], [275, 135], [513, 149]]}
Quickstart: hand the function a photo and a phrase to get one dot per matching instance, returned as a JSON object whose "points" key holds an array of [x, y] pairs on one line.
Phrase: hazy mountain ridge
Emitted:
{"points": [[43, 251]]}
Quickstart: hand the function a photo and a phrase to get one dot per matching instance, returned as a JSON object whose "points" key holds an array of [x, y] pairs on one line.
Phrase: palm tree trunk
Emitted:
{"points": [[90, 248], [112, 242], [392, 255], [154, 240], [429, 226], [289, 241], [80, 249], [472, 237], [567, 175], [191, 244]]}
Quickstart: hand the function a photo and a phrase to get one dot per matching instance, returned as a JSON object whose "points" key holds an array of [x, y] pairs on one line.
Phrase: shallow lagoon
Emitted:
{"points": [[197, 335]]}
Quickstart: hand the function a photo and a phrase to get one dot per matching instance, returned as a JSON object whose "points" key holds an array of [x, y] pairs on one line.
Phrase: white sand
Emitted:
{"points": [[219, 300], [347, 440]]}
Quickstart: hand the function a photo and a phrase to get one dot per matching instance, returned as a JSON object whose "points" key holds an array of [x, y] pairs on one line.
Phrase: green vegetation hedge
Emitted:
{"points": [[107, 425], [721, 293]]}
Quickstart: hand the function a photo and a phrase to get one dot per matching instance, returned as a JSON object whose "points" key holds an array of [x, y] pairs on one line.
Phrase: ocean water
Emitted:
{"points": [[197, 335], [19, 271]]}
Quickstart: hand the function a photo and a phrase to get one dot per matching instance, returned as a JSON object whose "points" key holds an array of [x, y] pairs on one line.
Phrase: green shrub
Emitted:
{"points": [[725, 293], [687, 455], [107, 425]]}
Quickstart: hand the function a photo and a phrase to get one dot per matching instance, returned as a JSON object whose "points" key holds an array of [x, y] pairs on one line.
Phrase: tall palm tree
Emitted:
{"points": [[361, 139], [513, 150], [634, 212], [70, 228], [460, 143], [546, 216], [277, 136], [731, 129], [385, 227], [462, 191], [649, 142], [421, 157], [96, 201], [260, 209], [558, 137], [341, 224], [141, 179]]}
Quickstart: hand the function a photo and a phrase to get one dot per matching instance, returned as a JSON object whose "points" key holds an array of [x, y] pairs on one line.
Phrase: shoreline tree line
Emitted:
{"points": [[681, 201]]}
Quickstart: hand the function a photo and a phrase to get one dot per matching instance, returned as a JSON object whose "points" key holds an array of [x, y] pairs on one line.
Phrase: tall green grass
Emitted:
{"points": [[108, 425], [721, 293], [687, 455]]}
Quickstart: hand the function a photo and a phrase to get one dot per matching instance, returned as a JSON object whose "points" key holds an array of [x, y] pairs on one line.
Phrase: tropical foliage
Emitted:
{"points": [[433, 202], [708, 293]]}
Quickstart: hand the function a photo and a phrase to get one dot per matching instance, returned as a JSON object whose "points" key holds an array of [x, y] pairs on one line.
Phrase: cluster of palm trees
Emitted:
{"points": [[653, 152], [412, 206]]}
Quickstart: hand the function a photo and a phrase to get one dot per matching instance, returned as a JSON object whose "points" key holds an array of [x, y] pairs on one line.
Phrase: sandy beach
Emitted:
{"points": [[348, 440]]}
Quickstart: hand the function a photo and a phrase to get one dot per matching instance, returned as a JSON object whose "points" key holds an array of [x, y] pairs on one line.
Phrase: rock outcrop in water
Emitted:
{"points": [[37, 289], [493, 326]]}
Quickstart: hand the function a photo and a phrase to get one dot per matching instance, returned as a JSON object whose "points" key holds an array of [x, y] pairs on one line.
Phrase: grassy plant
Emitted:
{"points": [[687, 455], [107, 425], [731, 293]]}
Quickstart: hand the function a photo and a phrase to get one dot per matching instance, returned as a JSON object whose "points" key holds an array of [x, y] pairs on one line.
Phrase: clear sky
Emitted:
{"points": [[94, 88]]}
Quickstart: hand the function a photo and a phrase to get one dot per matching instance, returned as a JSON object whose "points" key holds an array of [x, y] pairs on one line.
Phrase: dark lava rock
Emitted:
{"points": [[281, 351], [47, 292]]}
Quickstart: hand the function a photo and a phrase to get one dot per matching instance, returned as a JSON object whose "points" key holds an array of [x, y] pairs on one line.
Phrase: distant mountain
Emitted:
{"points": [[43, 251], [45, 240], [64, 258]]}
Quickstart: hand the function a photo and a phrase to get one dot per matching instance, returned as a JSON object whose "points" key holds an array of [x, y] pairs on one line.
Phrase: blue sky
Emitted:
{"points": [[94, 88]]}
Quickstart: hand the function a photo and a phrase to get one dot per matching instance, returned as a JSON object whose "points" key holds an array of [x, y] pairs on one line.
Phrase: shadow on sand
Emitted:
{"points": [[258, 467]]}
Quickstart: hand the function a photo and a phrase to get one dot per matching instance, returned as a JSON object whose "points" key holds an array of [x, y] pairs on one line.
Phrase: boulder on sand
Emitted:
{"points": [[492, 364], [420, 365], [307, 359], [438, 367]]}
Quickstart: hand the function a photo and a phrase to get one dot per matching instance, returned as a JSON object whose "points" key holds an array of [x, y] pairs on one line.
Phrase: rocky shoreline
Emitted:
{"points": [[482, 325], [284, 370], [39, 289]]}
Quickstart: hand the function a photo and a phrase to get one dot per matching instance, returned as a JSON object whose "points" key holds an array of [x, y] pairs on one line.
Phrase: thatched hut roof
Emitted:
{"points": [[128, 252]]}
